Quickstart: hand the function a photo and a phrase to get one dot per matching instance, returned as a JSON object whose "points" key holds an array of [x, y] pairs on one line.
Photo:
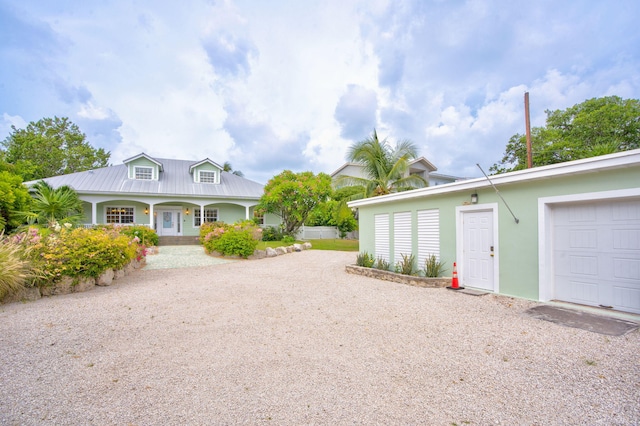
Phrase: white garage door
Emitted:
{"points": [[596, 254]]}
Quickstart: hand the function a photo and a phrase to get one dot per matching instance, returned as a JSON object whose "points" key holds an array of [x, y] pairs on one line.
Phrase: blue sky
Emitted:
{"points": [[281, 85]]}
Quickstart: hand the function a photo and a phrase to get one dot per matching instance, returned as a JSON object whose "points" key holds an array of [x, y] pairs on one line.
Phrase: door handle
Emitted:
{"points": [[491, 251]]}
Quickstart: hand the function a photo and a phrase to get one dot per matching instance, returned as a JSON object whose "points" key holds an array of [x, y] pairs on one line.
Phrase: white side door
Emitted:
{"points": [[478, 250]]}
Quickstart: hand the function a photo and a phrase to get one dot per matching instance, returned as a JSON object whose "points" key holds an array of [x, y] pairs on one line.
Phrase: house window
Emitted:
{"points": [[207, 177], [258, 218], [119, 215], [143, 173], [210, 215]]}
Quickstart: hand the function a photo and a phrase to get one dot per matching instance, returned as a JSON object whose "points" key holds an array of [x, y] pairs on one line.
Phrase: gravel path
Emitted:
{"points": [[294, 340]]}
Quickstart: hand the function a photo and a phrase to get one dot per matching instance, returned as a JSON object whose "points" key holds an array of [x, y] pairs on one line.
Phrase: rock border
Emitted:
{"points": [[268, 252], [68, 285], [415, 281]]}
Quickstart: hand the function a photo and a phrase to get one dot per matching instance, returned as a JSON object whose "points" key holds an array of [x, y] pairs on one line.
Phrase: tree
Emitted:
{"points": [[385, 166], [51, 205], [292, 196], [226, 167], [14, 198], [594, 127], [51, 147]]}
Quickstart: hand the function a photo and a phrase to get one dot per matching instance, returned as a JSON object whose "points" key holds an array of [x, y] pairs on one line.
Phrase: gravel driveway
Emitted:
{"points": [[294, 340]]}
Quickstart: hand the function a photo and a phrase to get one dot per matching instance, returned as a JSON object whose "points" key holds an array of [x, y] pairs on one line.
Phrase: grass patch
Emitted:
{"points": [[336, 244]]}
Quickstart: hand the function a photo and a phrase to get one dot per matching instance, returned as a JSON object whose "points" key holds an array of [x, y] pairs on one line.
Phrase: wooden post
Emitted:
{"points": [[528, 129]]}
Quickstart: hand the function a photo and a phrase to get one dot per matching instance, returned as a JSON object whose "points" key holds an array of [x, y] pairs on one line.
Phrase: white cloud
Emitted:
{"points": [[269, 85]]}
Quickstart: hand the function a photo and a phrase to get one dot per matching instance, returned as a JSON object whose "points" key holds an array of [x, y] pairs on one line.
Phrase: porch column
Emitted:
{"points": [[150, 215], [247, 212], [94, 213]]}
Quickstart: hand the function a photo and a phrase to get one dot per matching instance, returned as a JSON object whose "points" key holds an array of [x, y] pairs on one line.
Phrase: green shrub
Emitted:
{"points": [[365, 259], [433, 267], [208, 227], [15, 270], [288, 239], [146, 235], [272, 233], [78, 252], [406, 265], [240, 239], [382, 264]]}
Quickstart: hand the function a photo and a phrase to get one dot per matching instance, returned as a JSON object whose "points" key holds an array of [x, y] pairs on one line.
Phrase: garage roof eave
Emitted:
{"points": [[586, 165]]}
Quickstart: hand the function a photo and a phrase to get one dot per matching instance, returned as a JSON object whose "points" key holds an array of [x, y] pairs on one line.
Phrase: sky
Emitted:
{"points": [[275, 85]]}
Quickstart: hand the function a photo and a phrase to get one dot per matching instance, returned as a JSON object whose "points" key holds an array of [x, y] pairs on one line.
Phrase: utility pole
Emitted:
{"points": [[528, 128]]}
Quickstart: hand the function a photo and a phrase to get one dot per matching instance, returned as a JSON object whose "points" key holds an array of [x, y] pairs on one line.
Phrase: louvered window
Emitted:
{"points": [[428, 235], [402, 236], [381, 236]]}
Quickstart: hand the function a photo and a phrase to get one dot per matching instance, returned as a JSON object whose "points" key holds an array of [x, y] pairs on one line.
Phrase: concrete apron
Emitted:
{"points": [[173, 257]]}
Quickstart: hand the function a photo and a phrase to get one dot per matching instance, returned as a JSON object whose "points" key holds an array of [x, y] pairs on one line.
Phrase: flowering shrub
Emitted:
{"points": [[146, 235], [63, 251], [239, 239]]}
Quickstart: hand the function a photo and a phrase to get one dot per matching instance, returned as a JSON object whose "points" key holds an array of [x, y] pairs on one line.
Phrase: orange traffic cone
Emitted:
{"points": [[454, 281]]}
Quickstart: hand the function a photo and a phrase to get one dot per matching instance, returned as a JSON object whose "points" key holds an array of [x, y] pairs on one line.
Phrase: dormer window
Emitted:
{"points": [[207, 176], [143, 173]]}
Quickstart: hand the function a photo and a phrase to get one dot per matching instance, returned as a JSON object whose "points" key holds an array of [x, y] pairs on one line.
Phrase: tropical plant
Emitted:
{"points": [[51, 205], [406, 265], [433, 267], [365, 259], [226, 167], [293, 196], [385, 167]]}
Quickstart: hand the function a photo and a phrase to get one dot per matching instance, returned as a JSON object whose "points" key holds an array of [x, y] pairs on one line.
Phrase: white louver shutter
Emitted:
{"points": [[401, 235], [428, 235], [381, 236]]}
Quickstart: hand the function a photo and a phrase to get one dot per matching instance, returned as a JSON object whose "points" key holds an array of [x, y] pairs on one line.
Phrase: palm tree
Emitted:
{"points": [[51, 205], [226, 167], [385, 167]]}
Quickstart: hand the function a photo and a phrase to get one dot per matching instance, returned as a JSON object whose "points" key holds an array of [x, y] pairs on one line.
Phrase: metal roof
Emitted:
{"points": [[175, 180]]}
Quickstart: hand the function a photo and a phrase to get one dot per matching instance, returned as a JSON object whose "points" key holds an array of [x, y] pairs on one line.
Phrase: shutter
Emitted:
{"points": [[381, 236], [402, 241], [428, 235]]}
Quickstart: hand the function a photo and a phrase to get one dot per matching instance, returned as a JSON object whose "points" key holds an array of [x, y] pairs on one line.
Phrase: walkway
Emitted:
{"points": [[172, 257]]}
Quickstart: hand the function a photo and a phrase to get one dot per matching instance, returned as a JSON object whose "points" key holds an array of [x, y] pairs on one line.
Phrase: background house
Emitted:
{"points": [[174, 197], [420, 166], [576, 238]]}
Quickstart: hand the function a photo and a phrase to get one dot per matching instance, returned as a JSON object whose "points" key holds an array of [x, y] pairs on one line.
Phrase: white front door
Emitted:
{"points": [[478, 250], [168, 223]]}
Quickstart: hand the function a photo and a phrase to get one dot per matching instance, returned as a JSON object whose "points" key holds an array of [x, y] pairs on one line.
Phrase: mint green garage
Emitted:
{"points": [[567, 232]]}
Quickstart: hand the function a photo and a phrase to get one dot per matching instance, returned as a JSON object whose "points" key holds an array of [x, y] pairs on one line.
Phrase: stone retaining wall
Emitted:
{"points": [[68, 285], [399, 278]]}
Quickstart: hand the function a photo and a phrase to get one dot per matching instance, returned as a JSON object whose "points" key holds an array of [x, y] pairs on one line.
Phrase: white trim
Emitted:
{"points": [[545, 256], [460, 210], [586, 165]]}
